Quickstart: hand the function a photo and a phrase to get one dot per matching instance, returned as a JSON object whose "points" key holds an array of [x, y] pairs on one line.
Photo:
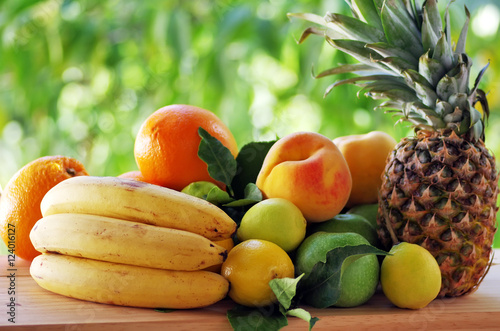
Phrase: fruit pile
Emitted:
{"points": [[303, 220]]}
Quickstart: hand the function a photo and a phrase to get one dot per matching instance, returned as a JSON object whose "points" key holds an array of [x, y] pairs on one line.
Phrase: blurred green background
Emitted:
{"points": [[78, 78]]}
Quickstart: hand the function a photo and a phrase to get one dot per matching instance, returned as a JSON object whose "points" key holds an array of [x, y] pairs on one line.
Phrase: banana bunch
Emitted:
{"points": [[124, 242]]}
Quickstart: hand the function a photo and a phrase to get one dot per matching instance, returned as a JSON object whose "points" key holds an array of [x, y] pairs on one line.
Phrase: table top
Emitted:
{"points": [[38, 309]]}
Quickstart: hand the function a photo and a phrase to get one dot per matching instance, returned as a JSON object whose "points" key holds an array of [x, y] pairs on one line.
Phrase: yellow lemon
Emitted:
{"points": [[249, 268], [228, 244], [410, 277]]}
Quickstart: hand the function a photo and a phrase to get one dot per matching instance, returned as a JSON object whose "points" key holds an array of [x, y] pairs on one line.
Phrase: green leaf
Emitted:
{"points": [[432, 24], [221, 163], [285, 289], [263, 319], [430, 69], [388, 50], [390, 84], [271, 317], [354, 29], [366, 11], [397, 65], [252, 195], [392, 90], [164, 310], [446, 87], [249, 161], [239, 203], [321, 287], [357, 50], [399, 27], [309, 31], [424, 90], [303, 314], [443, 53], [346, 68], [218, 196], [460, 47], [355, 80], [326, 31], [477, 81], [252, 192], [309, 17]]}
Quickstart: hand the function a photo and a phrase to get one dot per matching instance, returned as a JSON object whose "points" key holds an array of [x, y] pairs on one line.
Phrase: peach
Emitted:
{"points": [[366, 155], [307, 169]]}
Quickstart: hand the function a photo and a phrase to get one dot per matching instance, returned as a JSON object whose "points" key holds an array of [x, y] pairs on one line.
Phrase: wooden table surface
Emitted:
{"points": [[38, 309]]}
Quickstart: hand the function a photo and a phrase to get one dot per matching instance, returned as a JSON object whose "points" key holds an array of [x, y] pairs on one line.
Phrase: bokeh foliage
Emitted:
{"points": [[79, 77]]}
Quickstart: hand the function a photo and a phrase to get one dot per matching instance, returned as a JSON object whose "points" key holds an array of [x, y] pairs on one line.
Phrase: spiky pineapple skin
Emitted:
{"points": [[440, 191]]}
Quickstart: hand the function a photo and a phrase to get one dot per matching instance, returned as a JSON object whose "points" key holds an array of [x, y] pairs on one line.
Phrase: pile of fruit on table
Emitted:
{"points": [[305, 220]]}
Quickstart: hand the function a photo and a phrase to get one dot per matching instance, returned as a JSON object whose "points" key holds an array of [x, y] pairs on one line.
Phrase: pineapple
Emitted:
{"points": [[440, 186]]}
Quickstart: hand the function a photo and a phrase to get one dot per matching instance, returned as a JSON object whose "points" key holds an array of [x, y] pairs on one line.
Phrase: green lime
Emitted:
{"points": [[347, 223], [276, 220], [360, 275], [368, 211]]}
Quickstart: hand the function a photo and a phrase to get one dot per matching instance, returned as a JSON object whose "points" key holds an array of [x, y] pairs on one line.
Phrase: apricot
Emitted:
{"points": [[366, 155], [307, 169]]}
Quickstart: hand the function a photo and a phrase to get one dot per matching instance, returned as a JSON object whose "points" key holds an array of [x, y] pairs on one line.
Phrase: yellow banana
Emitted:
{"points": [[126, 285], [115, 240], [139, 202]]}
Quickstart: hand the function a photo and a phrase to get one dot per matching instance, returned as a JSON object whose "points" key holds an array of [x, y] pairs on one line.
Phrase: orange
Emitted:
{"points": [[134, 174], [166, 146], [20, 202]]}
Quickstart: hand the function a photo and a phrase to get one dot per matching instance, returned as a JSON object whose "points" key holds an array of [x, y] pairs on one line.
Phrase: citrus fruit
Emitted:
{"points": [[347, 223], [276, 220], [249, 268], [20, 202], [134, 174], [166, 146], [410, 277], [368, 211], [360, 274], [228, 244]]}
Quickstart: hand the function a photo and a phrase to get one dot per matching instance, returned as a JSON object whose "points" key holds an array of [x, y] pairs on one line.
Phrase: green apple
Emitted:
{"points": [[360, 275], [347, 223], [368, 211]]}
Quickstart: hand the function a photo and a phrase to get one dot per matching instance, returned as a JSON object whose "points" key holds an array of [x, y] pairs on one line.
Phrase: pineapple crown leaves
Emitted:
{"points": [[405, 54]]}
